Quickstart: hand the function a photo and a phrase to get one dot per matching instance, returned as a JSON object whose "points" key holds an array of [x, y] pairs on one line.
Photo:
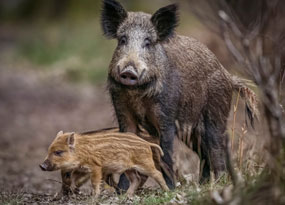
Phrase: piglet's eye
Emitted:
{"points": [[58, 153], [123, 40]]}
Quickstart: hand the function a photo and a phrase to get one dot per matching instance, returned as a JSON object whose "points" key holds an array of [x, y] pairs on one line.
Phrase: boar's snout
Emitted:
{"points": [[129, 76], [46, 166]]}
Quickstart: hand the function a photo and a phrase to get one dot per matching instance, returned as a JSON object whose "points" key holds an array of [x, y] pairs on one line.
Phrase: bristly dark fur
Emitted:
{"points": [[251, 102], [97, 131], [250, 115], [165, 21], [182, 80], [113, 14]]}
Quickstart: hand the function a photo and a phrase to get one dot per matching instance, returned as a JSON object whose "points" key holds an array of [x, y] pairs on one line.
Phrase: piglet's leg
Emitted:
{"points": [[66, 182], [80, 178], [66, 185], [134, 182], [143, 179], [96, 177], [151, 171], [159, 179], [127, 123]]}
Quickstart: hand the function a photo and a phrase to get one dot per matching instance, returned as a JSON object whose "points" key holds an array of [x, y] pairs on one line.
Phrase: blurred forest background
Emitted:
{"points": [[53, 69], [66, 35]]}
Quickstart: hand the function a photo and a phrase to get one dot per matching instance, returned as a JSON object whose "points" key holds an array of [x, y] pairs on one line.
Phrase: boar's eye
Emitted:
{"points": [[58, 153], [123, 40], [146, 43]]}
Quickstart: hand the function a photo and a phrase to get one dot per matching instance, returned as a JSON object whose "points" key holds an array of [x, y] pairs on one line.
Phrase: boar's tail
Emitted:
{"points": [[158, 147], [240, 86]]}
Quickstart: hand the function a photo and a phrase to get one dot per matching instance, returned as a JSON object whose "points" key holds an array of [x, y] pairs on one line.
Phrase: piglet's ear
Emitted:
{"points": [[59, 133], [165, 20], [71, 141], [113, 14]]}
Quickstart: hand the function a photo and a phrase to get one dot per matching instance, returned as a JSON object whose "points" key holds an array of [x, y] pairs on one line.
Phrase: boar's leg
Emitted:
{"points": [[165, 131], [126, 124], [166, 143], [199, 141], [126, 121], [205, 163], [213, 146], [96, 177], [215, 115]]}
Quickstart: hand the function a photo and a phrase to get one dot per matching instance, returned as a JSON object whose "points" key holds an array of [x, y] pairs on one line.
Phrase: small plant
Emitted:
{"points": [[241, 146], [9, 198], [234, 121]]}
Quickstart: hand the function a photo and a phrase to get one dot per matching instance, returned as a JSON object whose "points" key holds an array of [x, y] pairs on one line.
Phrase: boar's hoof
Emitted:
{"points": [[128, 78]]}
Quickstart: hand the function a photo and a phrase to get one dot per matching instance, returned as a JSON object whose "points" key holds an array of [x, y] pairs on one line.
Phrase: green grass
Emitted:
{"points": [[254, 190], [11, 198], [156, 198]]}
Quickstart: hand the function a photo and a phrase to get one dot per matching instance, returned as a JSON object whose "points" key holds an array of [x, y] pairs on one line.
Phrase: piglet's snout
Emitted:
{"points": [[45, 166], [129, 76]]}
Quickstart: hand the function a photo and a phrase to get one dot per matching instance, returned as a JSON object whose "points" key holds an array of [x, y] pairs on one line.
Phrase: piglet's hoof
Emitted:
{"points": [[77, 191], [95, 195], [130, 196], [62, 195], [94, 199], [57, 196]]}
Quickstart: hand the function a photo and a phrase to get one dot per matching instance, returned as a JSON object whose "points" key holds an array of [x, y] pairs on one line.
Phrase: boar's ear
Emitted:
{"points": [[59, 133], [165, 20], [113, 14], [71, 141]]}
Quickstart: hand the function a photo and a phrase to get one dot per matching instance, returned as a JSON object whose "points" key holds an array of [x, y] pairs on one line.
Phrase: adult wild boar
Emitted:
{"points": [[157, 77]]}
